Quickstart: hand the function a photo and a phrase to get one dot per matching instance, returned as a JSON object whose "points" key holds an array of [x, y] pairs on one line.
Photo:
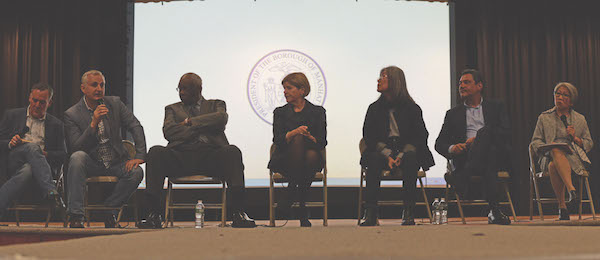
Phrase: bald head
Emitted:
{"points": [[190, 88]]}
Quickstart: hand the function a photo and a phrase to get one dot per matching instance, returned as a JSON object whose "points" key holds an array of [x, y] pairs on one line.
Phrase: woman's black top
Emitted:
{"points": [[411, 127], [285, 120]]}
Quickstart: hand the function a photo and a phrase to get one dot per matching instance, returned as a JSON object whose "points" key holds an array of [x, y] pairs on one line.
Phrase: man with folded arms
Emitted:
{"points": [[93, 132], [475, 138], [195, 129], [34, 142]]}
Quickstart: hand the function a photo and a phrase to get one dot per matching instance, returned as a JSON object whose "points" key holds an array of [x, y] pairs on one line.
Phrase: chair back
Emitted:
{"points": [[362, 146], [130, 148]]}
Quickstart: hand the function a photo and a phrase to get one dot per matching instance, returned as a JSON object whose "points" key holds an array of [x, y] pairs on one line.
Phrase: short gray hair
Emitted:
{"points": [[572, 90], [91, 72]]}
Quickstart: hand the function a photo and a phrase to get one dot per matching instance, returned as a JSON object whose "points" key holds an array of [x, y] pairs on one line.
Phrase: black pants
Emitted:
{"points": [[483, 160], [376, 163], [221, 162]]}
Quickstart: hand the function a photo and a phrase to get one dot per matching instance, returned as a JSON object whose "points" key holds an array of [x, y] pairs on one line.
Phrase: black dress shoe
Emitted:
{"points": [[563, 214], [407, 216], [572, 196], [303, 216], [241, 220], [495, 216], [369, 218], [111, 221], [152, 221], [76, 221]]}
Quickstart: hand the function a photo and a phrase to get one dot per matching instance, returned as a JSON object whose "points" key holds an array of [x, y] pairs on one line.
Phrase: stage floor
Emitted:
{"points": [[537, 239]]}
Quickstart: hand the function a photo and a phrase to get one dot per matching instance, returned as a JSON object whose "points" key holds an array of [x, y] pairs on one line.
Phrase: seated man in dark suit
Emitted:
{"points": [[93, 133], [195, 129], [34, 142], [475, 138]]}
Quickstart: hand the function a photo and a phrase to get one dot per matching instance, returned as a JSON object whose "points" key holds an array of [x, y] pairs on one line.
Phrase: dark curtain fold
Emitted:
{"points": [[56, 42], [523, 49]]}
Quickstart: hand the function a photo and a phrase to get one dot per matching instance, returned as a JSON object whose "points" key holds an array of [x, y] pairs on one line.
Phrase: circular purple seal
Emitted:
{"points": [[265, 91]]}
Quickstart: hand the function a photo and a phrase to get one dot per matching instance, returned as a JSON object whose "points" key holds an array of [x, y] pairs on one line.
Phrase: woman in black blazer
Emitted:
{"points": [[299, 135], [396, 138]]}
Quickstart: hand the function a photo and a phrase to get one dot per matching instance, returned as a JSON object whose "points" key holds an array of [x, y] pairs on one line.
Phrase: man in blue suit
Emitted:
{"points": [[34, 142]]}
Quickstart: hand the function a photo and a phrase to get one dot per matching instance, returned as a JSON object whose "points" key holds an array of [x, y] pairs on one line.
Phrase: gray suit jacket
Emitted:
{"points": [[210, 123], [80, 137]]}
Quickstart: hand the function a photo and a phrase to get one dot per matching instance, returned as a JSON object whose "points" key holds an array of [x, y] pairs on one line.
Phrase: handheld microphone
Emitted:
{"points": [[24, 131], [563, 118], [101, 101]]}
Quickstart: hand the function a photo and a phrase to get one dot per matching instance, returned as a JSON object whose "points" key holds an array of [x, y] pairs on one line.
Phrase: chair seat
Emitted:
{"points": [[278, 178], [546, 174], [196, 179], [102, 179]]}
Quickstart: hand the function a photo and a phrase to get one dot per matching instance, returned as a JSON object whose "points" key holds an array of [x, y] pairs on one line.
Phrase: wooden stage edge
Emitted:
{"points": [[35, 232]]}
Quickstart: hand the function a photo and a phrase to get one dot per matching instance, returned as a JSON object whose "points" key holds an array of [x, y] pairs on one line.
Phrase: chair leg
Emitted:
{"points": [[426, 201], [271, 200], [581, 180], [530, 197], [17, 217], [86, 211], [224, 206], [360, 190], [537, 198], [325, 199], [120, 214], [589, 193], [48, 216], [168, 204], [460, 210], [512, 208]]}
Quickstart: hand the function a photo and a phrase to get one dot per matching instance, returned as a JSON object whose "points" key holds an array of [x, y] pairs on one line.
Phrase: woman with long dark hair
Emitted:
{"points": [[396, 139]]}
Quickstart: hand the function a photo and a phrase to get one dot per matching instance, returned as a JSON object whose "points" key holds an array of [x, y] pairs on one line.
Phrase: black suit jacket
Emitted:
{"points": [[454, 129], [15, 120], [284, 121], [409, 118]]}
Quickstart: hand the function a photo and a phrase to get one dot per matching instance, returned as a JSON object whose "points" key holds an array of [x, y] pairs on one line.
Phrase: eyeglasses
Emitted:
{"points": [[384, 76], [466, 82], [558, 94], [183, 89]]}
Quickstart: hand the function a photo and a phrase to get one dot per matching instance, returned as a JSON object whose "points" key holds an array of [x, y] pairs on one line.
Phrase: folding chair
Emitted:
{"points": [[275, 177], [535, 175], [387, 176], [88, 208], [503, 177], [31, 206], [194, 180]]}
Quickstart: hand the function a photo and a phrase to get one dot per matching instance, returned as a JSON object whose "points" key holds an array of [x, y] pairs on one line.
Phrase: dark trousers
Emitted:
{"points": [[221, 162], [483, 160], [376, 163]]}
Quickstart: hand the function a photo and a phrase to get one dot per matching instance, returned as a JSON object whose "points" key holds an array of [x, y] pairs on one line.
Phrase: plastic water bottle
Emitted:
{"points": [[436, 211], [199, 215], [443, 211]]}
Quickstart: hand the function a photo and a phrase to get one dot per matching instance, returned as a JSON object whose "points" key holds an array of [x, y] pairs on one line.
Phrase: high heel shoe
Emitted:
{"points": [[563, 214], [572, 196]]}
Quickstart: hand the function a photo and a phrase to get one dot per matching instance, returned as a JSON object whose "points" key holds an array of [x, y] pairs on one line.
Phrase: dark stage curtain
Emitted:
{"points": [[523, 49], [56, 42]]}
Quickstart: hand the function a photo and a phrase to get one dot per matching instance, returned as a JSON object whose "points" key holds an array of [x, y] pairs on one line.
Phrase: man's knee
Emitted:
{"points": [[232, 151], [78, 158], [32, 147], [136, 175], [156, 152]]}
